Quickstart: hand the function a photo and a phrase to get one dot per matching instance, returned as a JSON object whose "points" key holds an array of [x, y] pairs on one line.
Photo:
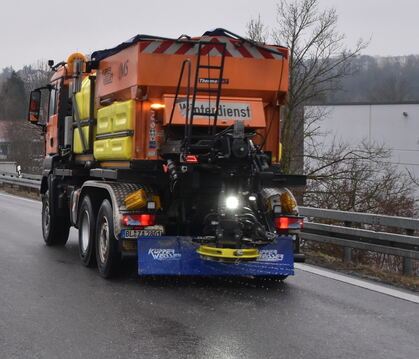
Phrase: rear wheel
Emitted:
{"points": [[107, 254], [55, 223], [87, 231]]}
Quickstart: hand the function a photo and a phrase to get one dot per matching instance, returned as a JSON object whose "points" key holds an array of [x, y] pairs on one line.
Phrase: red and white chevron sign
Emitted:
{"points": [[234, 48]]}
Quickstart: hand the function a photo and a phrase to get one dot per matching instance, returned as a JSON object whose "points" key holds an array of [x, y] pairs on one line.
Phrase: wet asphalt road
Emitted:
{"points": [[53, 307]]}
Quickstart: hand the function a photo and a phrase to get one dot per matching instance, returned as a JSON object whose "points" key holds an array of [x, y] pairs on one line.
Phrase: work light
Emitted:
{"points": [[232, 202]]}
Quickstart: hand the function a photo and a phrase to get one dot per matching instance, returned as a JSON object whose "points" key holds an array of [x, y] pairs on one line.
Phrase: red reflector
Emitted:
{"points": [[147, 219], [191, 158], [139, 220], [289, 223]]}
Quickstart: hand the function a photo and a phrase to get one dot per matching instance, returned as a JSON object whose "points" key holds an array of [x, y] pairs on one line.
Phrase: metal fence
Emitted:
{"points": [[376, 238], [27, 181]]}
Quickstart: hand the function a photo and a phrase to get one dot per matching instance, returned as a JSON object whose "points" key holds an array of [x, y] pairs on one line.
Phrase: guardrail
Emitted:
{"points": [[404, 245], [24, 181]]}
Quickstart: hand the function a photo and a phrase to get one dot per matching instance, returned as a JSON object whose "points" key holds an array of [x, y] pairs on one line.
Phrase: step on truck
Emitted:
{"points": [[168, 151]]}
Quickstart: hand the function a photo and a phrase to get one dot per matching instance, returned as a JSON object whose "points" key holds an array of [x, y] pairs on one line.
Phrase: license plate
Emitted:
{"points": [[135, 233]]}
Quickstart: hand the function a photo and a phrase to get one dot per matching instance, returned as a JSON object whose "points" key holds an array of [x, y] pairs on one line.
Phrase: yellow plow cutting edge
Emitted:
{"points": [[228, 254]]}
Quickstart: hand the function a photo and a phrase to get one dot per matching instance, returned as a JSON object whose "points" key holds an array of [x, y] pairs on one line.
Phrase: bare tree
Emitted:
{"points": [[318, 61], [256, 30], [361, 179], [36, 75], [357, 178]]}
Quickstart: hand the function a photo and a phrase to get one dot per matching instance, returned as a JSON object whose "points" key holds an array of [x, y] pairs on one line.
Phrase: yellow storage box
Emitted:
{"points": [[116, 117], [77, 144], [124, 114], [83, 100], [101, 149], [118, 148], [83, 105], [104, 120]]}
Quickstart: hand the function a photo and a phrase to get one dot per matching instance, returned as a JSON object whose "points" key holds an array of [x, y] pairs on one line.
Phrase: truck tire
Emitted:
{"points": [[55, 225], [108, 257], [87, 233]]}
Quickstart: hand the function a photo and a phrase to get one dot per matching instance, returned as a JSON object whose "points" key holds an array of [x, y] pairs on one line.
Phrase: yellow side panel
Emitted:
{"points": [[116, 117], [119, 148], [101, 149], [83, 99], [104, 119], [123, 116], [77, 144]]}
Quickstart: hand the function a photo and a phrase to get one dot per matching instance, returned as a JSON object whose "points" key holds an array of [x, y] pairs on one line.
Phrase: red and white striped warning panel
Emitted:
{"points": [[234, 48]]}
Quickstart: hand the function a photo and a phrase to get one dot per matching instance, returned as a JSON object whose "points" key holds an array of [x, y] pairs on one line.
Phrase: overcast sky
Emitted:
{"points": [[47, 29]]}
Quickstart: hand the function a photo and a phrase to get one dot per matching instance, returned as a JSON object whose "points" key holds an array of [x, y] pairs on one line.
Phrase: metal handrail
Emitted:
{"points": [[24, 180], [357, 217], [404, 245]]}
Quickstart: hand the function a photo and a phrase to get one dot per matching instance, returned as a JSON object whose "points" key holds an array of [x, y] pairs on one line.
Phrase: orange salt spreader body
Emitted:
{"points": [[175, 137], [254, 85]]}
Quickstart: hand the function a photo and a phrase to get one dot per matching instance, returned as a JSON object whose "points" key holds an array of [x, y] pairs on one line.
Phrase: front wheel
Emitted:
{"points": [[108, 257], [55, 223]]}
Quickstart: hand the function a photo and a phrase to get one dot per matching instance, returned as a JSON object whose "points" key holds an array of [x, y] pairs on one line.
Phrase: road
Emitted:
{"points": [[53, 307]]}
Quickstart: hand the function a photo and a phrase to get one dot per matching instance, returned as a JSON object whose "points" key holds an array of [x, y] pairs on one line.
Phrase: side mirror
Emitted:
{"points": [[34, 106]]}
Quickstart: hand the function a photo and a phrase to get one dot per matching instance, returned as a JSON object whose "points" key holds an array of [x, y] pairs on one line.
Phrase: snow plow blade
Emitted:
{"points": [[169, 255]]}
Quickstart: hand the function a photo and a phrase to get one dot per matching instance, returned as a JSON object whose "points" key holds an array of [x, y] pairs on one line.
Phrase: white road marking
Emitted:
{"points": [[359, 283], [17, 197]]}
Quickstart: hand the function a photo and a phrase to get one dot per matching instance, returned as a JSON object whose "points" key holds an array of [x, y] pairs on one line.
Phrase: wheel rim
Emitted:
{"points": [[46, 218], [104, 240], [85, 232]]}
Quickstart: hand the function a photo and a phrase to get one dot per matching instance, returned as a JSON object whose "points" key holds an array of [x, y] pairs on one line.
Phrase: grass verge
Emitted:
{"points": [[21, 192]]}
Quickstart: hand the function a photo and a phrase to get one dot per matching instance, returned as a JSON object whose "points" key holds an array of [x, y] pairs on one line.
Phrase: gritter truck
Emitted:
{"points": [[168, 151]]}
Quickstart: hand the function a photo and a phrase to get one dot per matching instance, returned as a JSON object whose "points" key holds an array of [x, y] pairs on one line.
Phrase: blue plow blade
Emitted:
{"points": [[169, 255]]}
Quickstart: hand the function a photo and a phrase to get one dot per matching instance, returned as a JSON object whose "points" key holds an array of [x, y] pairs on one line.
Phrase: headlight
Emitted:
{"points": [[232, 202]]}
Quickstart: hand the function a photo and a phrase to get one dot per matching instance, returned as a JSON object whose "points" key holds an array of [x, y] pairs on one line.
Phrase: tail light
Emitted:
{"points": [[191, 158], [289, 223], [139, 220]]}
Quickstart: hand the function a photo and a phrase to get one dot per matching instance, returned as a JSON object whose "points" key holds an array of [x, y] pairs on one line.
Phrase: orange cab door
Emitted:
{"points": [[51, 136]]}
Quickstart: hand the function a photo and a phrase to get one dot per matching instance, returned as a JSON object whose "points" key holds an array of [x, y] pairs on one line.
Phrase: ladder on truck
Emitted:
{"points": [[205, 87], [192, 142]]}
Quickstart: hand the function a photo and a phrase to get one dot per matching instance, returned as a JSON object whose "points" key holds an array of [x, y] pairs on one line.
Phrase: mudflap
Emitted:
{"points": [[168, 255]]}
